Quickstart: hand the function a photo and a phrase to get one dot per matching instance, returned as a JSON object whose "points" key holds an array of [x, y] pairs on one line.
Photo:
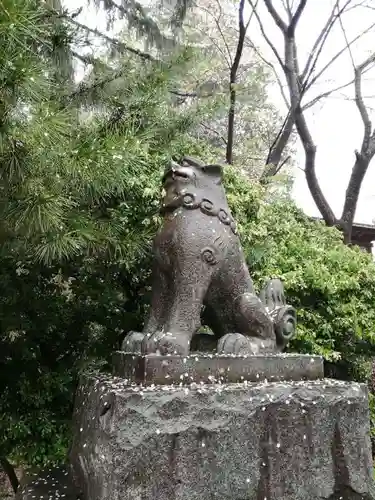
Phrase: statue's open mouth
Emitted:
{"points": [[178, 173], [174, 174]]}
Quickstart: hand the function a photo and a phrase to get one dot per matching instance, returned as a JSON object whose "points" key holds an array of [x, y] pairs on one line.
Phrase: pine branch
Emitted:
{"points": [[144, 25], [122, 47], [86, 88]]}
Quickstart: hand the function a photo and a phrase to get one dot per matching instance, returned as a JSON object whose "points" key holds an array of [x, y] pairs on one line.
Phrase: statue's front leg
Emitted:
{"points": [[159, 302], [182, 318]]}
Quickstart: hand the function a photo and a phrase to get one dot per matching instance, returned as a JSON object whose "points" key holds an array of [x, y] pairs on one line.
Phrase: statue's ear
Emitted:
{"points": [[216, 171]]}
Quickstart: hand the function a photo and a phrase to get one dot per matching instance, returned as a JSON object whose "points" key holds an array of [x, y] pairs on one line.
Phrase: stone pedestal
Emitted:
{"points": [[290, 440], [214, 368]]}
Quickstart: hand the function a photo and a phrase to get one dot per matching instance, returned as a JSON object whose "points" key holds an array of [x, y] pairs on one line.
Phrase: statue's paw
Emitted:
{"points": [[285, 323], [164, 343], [273, 295], [236, 343], [133, 342]]}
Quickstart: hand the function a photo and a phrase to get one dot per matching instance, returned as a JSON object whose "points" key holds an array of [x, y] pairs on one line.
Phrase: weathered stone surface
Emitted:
{"points": [[50, 484], [284, 441], [214, 368]]}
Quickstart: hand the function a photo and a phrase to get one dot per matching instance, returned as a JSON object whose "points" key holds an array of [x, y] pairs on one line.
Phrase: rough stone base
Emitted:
{"points": [[284, 441]]}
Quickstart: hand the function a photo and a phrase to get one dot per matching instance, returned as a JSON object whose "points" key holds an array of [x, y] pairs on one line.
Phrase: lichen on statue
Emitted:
{"points": [[199, 263]]}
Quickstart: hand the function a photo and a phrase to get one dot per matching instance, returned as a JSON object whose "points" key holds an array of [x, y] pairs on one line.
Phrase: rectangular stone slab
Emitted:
{"points": [[275, 441], [211, 368]]}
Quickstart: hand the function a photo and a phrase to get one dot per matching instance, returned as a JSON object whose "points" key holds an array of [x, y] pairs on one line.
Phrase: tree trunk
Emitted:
{"points": [[352, 194], [233, 80], [273, 162], [230, 136], [10, 472]]}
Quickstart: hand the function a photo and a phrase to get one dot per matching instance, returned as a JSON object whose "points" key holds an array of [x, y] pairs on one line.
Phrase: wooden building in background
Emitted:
{"points": [[363, 235]]}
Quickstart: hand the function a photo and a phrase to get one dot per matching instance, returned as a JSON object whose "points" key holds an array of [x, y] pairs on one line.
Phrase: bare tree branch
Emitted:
{"points": [[273, 69], [264, 34], [277, 148], [361, 105], [296, 17], [345, 37], [210, 129], [298, 84], [367, 152], [233, 80], [363, 157], [337, 55], [227, 55], [329, 92], [323, 95], [288, 8], [310, 171], [296, 91], [276, 17], [321, 40], [217, 22]]}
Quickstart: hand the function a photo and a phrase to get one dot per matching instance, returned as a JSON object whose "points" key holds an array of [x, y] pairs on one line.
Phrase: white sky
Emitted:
{"points": [[335, 124]]}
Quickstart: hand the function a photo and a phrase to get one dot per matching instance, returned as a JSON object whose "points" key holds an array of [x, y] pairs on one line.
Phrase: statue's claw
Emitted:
{"points": [[164, 343], [238, 344]]}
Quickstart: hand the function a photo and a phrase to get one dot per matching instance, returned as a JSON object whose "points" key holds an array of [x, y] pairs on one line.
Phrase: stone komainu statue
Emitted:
{"points": [[199, 264]]}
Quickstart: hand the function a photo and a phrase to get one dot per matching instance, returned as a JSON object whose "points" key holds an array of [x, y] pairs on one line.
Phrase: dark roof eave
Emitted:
{"points": [[359, 231]]}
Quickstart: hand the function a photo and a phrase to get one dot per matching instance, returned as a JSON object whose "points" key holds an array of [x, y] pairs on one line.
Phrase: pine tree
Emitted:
{"points": [[34, 131], [79, 185], [68, 152]]}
